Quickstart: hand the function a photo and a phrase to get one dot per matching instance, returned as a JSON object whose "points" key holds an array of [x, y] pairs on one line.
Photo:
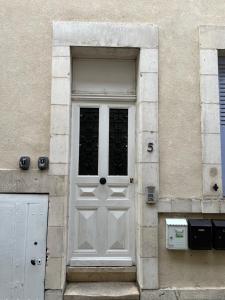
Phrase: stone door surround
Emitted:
{"points": [[96, 34]]}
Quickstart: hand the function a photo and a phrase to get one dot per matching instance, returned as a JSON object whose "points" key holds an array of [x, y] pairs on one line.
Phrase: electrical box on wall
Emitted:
{"points": [[151, 195], [199, 234], [176, 234], [218, 234]]}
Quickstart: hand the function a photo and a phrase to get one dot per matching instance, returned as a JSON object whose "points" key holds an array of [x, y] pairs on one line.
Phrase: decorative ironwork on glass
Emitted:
{"points": [[88, 148], [118, 141]]}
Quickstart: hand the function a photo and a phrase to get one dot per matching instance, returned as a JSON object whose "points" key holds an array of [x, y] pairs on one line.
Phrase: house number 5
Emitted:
{"points": [[150, 147]]}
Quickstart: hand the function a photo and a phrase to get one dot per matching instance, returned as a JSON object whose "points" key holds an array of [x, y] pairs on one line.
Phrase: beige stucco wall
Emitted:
{"points": [[26, 39], [25, 89], [189, 268]]}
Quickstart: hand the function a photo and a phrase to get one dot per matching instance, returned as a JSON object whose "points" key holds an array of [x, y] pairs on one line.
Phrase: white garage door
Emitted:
{"points": [[23, 226]]}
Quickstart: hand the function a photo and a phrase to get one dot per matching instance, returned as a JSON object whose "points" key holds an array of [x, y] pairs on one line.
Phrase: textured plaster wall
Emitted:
{"points": [[189, 268], [26, 39]]}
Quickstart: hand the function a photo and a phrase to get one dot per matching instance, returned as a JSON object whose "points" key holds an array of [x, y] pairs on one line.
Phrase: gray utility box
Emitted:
{"points": [[176, 234]]}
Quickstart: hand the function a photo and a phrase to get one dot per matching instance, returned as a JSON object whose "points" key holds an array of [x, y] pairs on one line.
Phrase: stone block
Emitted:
{"points": [[59, 149], [60, 51], [55, 241], [58, 185], [53, 273], [181, 205], [147, 118], [212, 175], [61, 67], [148, 60], [60, 119], [17, 181], [144, 138], [147, 88], [212, 37], [148, 214], [208, 62], [101, 291], [184, 294], [148, 175], [211, 153], [139, 269], [196, 206], [58, 169], [54, 295], [149, 268], [202, 294], [222, 206], [210, 206], [160, 295], [105, 34], [149, 241], [164, 205], [56, 211], [61, 91], [210, 118], [101, 274], [209, 89]]}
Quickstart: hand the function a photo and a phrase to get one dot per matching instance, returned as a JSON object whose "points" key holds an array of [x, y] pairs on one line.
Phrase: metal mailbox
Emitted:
{"points": [[199, 234], [176, 234], [218, 227]]}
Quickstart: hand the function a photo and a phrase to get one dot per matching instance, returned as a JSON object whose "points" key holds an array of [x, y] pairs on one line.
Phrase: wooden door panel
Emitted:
{"points": [[86, 230], [118, 193], [117, 223], [101, 213]]}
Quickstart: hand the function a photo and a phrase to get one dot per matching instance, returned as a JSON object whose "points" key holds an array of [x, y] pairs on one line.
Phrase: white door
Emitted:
{"points": [[102, 188], [23, 226]]}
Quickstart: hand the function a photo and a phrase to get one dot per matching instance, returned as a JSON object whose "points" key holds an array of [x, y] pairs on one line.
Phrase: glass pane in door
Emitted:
{"points": [[88, 146], [118, 141]]}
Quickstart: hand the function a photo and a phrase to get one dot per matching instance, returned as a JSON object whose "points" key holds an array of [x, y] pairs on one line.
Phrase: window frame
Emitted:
{"points": [[211, 41]]}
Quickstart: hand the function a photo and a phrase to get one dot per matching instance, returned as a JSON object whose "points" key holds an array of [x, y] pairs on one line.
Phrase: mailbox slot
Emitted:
{"points": [[218, 227], [199, 234]]}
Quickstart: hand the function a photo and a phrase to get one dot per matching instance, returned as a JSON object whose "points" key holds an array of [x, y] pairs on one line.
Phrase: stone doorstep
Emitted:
{"points": [[101, 274], [101, 291]]}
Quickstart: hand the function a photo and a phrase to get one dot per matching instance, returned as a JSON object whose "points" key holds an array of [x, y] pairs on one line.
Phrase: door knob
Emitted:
{"points": [[33, 262], [102, 180]]}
